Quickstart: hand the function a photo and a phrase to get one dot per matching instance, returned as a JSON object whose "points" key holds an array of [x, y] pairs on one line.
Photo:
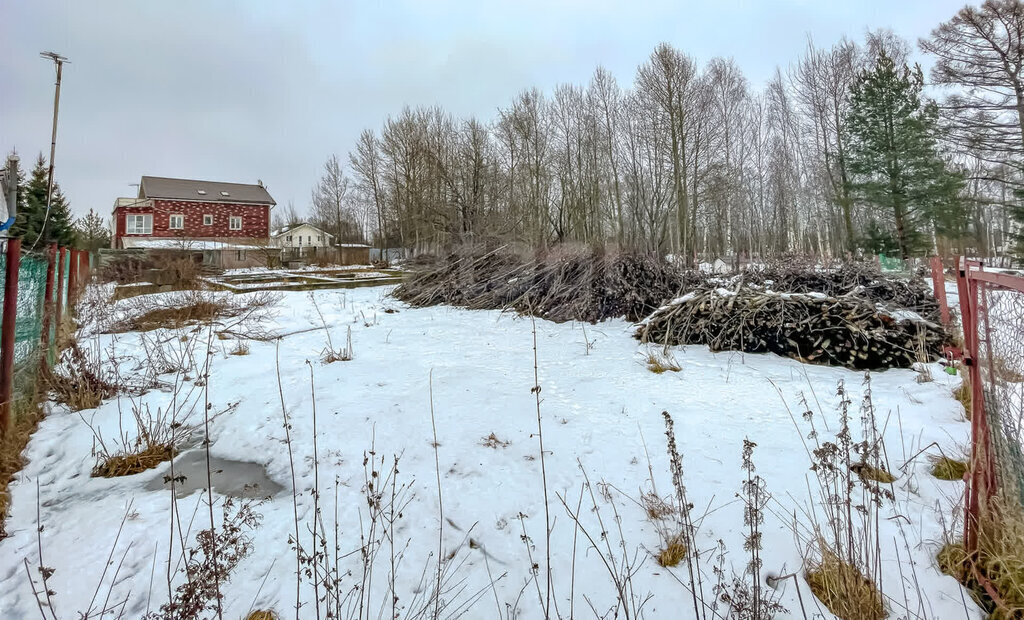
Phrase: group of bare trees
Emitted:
{"points": [[689, 159]]}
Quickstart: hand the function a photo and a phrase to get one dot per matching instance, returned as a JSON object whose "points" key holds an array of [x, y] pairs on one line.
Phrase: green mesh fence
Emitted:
{"points": [[28, 323], [1001, 356]]}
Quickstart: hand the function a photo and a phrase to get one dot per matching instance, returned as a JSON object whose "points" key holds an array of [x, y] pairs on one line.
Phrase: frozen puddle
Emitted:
{"points": [[234, 478]]}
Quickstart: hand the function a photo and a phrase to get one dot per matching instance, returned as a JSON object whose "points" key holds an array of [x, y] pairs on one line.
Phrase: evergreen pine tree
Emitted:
{"points": [[91, 232], [897, 171], [32, 217]]}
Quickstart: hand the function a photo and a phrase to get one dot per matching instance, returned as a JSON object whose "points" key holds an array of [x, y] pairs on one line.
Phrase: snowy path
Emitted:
{"points": [[599, 407]]}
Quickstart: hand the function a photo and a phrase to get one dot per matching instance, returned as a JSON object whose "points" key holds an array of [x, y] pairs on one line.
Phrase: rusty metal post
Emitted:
{"points": [[51, 260], [58, 314], [939, 287], [8, 334], [72, 277]]}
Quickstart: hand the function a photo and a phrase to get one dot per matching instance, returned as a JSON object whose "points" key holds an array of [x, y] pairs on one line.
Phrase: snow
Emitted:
{"points": [[185, 244], [601, 413]]}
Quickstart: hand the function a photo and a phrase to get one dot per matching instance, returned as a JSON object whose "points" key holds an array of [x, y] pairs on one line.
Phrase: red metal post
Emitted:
{"points": [[51, 256], [939, 286], [7, 333], [72, 277], [61, 255]]}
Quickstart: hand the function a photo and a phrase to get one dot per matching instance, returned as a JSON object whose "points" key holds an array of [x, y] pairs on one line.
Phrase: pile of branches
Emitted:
{"points": [[564, 285], [848, 330], [864, 279]]}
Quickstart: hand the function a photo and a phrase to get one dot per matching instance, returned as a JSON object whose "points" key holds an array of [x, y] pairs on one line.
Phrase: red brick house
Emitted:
{"points": [[228, 223]]}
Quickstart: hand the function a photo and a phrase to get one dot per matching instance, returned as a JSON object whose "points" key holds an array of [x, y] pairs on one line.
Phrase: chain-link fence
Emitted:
{"points": [[24, 347]]}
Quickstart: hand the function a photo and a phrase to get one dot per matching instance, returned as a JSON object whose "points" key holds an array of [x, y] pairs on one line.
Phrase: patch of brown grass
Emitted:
{"points": [[130, 463], [673, 552], [492, 441], [199, 311], [872, 473], [24, 421], [1000, 559], [945, 468], [77, 382], [963, 395], [241, 348], [659, 363], [844, 590], [1003, 370], [262, 614]]}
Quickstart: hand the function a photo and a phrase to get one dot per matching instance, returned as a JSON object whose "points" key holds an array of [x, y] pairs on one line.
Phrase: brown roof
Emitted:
{"points": [[208, 191]]}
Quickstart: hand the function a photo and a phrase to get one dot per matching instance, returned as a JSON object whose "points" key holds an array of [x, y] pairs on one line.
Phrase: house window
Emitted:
{"points": [[300, 239], [235, 222], [241, 255], [224, 194], [207, 219], [319, 237], [138, 224], [289, 238], [201, 192], [176, 222]]}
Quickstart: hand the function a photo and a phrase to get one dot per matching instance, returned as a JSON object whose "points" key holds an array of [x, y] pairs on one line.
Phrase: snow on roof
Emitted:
{"points": [[184, 244], [291, 227], [352, 245]]}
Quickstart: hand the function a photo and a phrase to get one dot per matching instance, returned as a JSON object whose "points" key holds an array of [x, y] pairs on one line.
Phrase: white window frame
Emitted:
{"points": [[207, 219], [231, 222], [138, 224], [171, 220]]}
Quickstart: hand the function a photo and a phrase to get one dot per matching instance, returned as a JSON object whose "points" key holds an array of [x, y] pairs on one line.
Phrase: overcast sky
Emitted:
{"points": [[245, 90]]}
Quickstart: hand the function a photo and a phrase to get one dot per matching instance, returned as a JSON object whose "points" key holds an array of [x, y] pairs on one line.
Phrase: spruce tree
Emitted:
{"points": [[32, 216], [91, 232], [897, 172]]}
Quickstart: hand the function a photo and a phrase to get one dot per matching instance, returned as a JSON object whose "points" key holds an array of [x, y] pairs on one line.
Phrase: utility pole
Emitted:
{"points": [[59, 61]]}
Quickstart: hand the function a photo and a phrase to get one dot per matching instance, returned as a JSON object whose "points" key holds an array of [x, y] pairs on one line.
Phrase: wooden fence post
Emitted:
{"points": [[8, 333]]}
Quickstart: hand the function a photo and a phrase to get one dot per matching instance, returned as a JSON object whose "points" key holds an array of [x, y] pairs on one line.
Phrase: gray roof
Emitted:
{"points": [[215, 191]]}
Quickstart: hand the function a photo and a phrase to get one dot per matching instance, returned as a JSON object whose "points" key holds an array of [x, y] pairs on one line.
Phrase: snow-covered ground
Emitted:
{"points": [[601, 410]]}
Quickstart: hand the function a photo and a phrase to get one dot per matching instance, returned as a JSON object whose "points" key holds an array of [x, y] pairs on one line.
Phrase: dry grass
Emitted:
{"points": [[198, 311], [1000, 559], [673, 552], [1004, 371], [492, 441], [78, 382], [24, 421], [872, 473], [655, 507], [241, 348], [844, 590], [661, 362], [262, 614], [963, 395], [130, 463], [945, 468]]}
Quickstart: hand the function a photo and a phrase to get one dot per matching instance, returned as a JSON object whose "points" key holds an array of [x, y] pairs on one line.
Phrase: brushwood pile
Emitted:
{"points": [[851, 316]]}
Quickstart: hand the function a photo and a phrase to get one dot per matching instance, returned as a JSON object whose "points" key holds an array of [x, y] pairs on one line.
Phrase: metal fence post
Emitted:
{"points": [[7, 333], [72, 277], [51, 260], [58, 314]]}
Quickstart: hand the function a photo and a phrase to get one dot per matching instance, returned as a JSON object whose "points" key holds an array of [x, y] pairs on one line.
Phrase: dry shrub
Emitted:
{"points": [[673, 552], [241, 348], [262, 614], [844, 590], [78, 381], [1000, 559], [1005, 371], [124, 270], [25, 417], [183, 308], [492, 441], [156, 441], [176, 269], [655, 507], [659, 363], [945, 468], [872, 473]]}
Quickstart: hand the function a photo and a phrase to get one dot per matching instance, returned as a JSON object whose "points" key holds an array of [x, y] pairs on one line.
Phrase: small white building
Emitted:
{"points": [[301, 236]]}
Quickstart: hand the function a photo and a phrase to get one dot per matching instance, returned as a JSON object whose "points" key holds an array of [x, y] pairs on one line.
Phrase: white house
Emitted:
{"points": [[301, 236]]}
